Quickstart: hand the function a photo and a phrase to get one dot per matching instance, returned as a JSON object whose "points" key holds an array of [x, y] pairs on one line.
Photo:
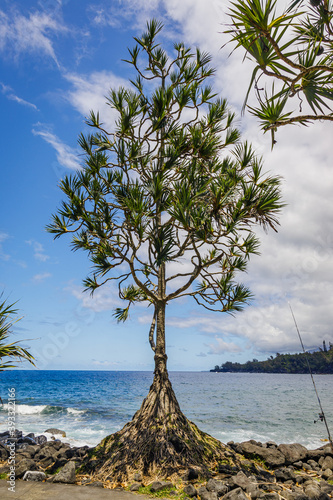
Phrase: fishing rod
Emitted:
{"points": [[322, 416]]}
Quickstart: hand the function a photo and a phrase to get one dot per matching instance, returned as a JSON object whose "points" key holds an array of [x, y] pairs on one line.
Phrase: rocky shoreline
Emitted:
{"points": [[255, 470]]}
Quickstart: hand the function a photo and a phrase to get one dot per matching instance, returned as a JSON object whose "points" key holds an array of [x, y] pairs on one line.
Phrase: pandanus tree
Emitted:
{"points": [[292, 51], [171, 185], [10, 352]]}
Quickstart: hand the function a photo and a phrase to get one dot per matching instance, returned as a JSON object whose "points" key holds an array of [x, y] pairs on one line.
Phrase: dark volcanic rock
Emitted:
{"points": [[237, 494], [204, 494], [271, 456], [66, 474], [56, 431], [190, 490], [135, 486], [285, 474], [3, 453], [216, 485], [293, 452], [160, 485], [239, 480], [327, 463], [27, 464], [40, 439]]}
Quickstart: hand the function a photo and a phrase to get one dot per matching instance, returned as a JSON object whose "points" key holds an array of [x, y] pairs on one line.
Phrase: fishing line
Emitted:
{"points": [[322, 416]]}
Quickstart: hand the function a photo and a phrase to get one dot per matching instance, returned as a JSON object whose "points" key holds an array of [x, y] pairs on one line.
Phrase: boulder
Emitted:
{"points": [[285, 474], [240, 480], [26, 440], [312, 490], [34, 475], [313, 464], [316, 454], [135, 486], [293, 452], [96, 484], [26, 464], [327, 474], [253, 490], [204, 494], [56, 431], [40, 439], [215, 485], [66, 474], [29, 449], [160, 485], [52, 445], [273, 457], [237, 494], [326, 487], [327, 463], [137, 476], [45, 452], [3, 453], [190, 491], [20, 455]]}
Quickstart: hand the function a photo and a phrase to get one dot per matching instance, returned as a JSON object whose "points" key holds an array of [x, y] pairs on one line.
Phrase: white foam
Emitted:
{"points": [[73, 411], [27, 409]]}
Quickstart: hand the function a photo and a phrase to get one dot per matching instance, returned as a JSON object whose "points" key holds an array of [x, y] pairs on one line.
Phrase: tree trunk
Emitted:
{"points": [[159, 440]]}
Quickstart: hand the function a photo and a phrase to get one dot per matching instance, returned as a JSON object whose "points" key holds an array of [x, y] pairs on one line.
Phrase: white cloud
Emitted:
{"points": [[104, 363], [220, 346], [104, 298], [32, 34], [8, 91], [41, 277], [89, 92], [39, 252], [66, 156], [3, 255]]}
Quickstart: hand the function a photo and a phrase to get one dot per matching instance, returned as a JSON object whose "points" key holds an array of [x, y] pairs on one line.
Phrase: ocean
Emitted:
{"points": [[89, 405]]}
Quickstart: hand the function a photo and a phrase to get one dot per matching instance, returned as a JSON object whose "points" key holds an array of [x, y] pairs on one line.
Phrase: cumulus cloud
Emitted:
{"points": [[32, 34], [89, 92], [220, 346], [66, 155]]}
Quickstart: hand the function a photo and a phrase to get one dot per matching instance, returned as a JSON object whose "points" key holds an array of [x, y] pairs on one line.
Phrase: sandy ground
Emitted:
{"points": [[29, 490]]}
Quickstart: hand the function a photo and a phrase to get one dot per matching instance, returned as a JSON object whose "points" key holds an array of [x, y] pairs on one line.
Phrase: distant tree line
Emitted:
{"points": [[320, 361]]}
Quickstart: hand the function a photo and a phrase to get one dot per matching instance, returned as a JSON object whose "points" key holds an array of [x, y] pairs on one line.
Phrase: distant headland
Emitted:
{"points": [[320, 362]]}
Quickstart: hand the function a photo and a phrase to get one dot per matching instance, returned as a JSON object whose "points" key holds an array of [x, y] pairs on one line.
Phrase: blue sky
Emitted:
{"points": [[58, 59]]}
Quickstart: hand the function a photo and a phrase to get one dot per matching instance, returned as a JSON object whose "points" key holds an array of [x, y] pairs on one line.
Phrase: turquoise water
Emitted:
{"points": [[89, 405]]}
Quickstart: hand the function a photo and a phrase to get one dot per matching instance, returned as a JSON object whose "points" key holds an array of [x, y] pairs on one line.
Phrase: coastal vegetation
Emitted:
{"points": [[166, 206], [319, 361], [10, 353]]}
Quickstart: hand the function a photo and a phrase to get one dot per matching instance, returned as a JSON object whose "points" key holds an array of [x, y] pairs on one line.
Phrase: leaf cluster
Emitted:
{"points": [[13, 349], [292, 49]]}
